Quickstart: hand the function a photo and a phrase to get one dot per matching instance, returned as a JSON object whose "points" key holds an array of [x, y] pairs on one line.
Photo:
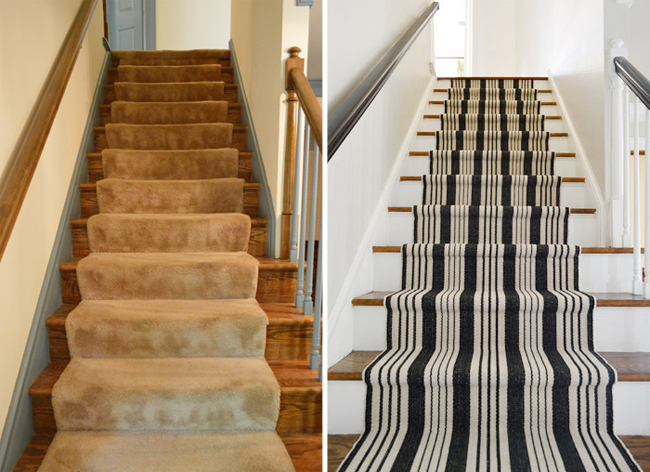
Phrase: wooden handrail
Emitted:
{"points": [[22, 163], [309, 104], [298, 92]]}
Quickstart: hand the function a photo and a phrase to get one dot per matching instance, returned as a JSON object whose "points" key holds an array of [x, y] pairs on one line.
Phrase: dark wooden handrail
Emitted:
{"points": [[22, 163], [341, 122]]}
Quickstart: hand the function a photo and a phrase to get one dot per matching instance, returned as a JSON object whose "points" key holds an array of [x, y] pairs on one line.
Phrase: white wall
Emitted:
{"points": [[192, 24], [359, 33], [262, 31], [493, 37], [28, 45]]}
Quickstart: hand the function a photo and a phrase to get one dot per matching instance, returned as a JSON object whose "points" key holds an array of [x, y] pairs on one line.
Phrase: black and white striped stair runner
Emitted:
{"points": [[490, 363]]}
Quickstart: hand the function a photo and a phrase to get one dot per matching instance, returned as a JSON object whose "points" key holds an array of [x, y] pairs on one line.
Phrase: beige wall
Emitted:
{"points": [[29, 43], [315, 62], [262, 31], [192, 24]]}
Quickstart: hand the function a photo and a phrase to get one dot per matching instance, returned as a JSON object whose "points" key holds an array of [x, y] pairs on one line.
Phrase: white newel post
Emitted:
{"points": [[618, 185]]}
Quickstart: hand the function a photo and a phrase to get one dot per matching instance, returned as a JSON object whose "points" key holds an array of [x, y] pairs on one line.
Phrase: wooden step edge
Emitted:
{"points": [[236, 128], [602, 299], [434, 133], [583, 250], [630, 366], [441, 90], [546, 117], [255, 222], [247, 185], [265, 263], [492, 78], [339, 445], [278, 314], [416, 178], [246, 154], [572, 211], [426, 154], [442, 102]]}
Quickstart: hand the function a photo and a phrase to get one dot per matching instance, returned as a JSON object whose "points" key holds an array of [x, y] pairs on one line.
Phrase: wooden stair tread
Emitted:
{"points": [[552, 135], [441, 102], [441, 90], [99, 154], [265, 262], [583, 250], [236, 128], [426, 154], [604, 299], [418, 178], [305, 451], [248, 185], [338, 446], [278, 313], [547, 117], [83, 222], [480, 77], [631, 366], [573, 211]]}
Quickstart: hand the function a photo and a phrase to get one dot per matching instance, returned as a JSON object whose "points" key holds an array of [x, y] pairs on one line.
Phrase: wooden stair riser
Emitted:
{"points": [[224, 61], [274, 284], [234, 114], [238, 139], [230, 93], [284, 340], [300, 409], [96, 169], [89, 200], [256, 244], [227, 74]]}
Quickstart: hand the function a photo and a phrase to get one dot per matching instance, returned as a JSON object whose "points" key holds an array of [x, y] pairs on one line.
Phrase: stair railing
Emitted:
{"points": [[630, 90], [22, 163], [301, 212]]}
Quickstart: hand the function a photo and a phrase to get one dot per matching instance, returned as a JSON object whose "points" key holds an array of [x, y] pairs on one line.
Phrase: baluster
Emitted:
{"points": [[295, 216], [638, 283], [627, 239], [616, 163], [308, 306], [315, 358], [646, 285], [300, 293]]}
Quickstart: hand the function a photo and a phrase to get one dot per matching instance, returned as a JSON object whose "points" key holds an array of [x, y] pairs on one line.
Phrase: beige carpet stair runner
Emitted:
{"points": [[167, 345]]}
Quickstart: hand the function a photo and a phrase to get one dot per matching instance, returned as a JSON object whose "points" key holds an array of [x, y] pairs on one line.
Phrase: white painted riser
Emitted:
{"points": [[583, 229], [426, 143], [408, 193], [347, 403], [617, 329], [598, 272], [538, 84], [419, 165], [552, 126]]}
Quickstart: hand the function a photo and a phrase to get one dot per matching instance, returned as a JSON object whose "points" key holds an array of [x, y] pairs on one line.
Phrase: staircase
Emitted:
{"points": [[177, 346], [620, 318]]}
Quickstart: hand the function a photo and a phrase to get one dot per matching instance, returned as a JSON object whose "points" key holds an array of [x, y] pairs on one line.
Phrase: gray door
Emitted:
{"points": [[125, 24]]}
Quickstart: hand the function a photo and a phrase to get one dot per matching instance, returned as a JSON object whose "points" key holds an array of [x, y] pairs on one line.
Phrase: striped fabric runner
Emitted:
{"points": [[502, 107], [492, 140], [492, 94], [491, 224], [506, 190], [482, 122], [492, 162], [492, 83], [490, 364]]}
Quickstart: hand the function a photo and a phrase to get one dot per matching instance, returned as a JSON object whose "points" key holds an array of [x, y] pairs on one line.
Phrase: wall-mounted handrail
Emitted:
{"points": [[634, 79], [344, 119], [22, 163]]}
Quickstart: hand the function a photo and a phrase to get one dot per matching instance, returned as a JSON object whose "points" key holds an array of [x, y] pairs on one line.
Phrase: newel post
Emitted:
{"points": [[619, 227], [294, 60]]}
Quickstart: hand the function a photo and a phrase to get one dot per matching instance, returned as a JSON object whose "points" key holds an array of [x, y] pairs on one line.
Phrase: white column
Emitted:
{"points": [[646, 264], [617, 145]]}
